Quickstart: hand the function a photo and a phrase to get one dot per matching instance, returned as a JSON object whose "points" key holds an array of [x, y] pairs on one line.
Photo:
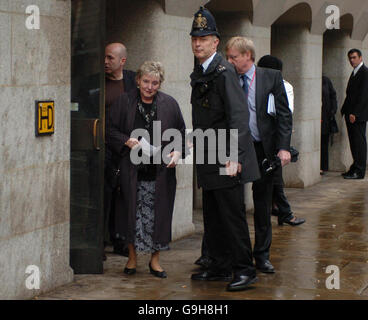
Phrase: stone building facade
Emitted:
{"points": [[35, 65]]}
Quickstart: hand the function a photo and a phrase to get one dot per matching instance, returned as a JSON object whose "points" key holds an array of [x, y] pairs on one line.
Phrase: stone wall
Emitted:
{"points": [[301, 53], [35, 171]]}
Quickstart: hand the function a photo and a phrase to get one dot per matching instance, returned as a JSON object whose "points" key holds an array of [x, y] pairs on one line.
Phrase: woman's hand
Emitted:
{"points": [[132, 143], [175, 156]]}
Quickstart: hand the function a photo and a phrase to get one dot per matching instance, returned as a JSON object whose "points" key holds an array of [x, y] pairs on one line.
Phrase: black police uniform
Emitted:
{"points": [[218, 102]]}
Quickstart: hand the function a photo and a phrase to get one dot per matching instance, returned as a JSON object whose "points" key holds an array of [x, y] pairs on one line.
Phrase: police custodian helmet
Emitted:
{"points": [[204, 24]]}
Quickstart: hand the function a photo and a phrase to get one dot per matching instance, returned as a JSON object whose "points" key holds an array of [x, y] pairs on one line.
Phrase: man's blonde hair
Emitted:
{"points": [[243, 45]]}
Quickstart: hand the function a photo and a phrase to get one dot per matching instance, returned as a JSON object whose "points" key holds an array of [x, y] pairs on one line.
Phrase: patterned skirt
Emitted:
{"points": [[145, 218]]}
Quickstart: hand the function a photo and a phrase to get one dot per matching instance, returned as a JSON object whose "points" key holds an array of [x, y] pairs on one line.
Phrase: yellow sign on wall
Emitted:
{"points": [[45, 117]]}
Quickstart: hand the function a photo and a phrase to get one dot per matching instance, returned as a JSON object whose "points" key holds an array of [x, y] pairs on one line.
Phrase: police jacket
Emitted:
{"points": [[219, 103]]}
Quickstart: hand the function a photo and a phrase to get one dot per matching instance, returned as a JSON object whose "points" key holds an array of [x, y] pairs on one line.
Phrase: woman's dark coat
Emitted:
{"points": [[122, 116], [329, 105]]}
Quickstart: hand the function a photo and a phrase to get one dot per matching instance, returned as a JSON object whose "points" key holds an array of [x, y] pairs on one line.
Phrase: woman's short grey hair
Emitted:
{"points": [[243, 45], [153, 68]]}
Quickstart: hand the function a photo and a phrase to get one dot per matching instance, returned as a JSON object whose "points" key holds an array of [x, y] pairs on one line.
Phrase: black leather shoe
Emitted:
{"points": [[347, 173], [130, 271], [265, 266], [203, 261], [241, 282], [158, 274], [354, 175], [211, 276], [288, 219]]}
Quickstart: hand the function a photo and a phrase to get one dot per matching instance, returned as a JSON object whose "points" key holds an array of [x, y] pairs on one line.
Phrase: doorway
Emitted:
{"points": [[87, 146]]}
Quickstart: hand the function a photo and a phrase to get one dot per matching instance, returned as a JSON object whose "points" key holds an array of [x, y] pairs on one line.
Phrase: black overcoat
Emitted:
{"points": [[219, 103], [122, 117], [329, 105]]}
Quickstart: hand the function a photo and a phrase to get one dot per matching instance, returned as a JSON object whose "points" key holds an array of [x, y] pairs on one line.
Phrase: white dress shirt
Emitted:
{"points": [[207, 62], [357, 68], [290, 95]]}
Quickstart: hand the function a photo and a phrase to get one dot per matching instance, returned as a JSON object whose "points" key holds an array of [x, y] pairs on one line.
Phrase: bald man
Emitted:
{"points": [[117, 81]]}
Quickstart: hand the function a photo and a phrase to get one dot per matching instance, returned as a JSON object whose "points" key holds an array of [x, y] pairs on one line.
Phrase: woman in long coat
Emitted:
{"points": [[147, 191], [329, 108]]}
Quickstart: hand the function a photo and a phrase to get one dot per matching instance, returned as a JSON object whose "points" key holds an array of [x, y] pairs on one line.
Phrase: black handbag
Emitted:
{"points": [[294, 154]]}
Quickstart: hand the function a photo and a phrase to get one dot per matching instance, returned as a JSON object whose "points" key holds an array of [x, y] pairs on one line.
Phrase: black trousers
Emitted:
{"points": [[358, 145], [278, 195], [227, 233], [324, 152], [262, 199]]}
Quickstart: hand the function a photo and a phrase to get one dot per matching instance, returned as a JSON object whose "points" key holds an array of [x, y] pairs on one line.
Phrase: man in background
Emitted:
{"points": [[117, 81], [355, 109]]}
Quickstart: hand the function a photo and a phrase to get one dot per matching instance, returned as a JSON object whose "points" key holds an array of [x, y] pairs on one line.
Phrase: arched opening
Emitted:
{"points": [[336, 44], [301, 53]]}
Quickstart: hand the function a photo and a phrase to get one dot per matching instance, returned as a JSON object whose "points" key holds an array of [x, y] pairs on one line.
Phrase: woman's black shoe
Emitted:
{"points": [[130, 271], [158, 274]]}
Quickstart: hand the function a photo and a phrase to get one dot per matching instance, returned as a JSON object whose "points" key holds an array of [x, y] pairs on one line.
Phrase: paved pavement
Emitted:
{"points": [[335, 234]]}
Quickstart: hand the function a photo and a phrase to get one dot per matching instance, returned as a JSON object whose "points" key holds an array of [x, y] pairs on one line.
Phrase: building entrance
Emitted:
{"points": [[87, 136]]}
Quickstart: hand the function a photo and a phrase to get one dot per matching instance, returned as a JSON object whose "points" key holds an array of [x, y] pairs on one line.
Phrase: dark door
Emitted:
{"points": [[87, 146]]}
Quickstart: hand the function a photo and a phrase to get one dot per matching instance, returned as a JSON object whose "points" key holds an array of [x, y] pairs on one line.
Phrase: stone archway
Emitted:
{"points": [[336, 44], [301, 53]]}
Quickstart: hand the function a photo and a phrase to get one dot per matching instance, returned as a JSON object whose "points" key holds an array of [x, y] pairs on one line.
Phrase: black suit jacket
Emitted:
{"points": [[275, 131], [356, 101]]}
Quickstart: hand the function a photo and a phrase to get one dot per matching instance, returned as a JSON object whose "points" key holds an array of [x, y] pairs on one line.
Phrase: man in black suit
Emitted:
{"points": [[218, 106], [271, 133], [355, 109]]}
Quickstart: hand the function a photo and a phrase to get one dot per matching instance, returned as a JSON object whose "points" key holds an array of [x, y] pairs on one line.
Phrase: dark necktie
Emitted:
{"points": [[245, 84]]}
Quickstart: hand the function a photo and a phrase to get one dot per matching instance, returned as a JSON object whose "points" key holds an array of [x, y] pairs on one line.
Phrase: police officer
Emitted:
{"points": [[218, 102]]}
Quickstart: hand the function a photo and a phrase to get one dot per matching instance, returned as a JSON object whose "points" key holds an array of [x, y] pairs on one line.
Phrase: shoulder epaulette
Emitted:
{"points": [[220, 68]]}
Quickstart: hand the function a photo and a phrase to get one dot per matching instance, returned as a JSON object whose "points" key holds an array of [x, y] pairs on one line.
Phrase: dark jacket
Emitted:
{"points": [[356, 101], [218, 102], [275, 132], [89, 93], [122, 116], [129, 80], [329, 105]]}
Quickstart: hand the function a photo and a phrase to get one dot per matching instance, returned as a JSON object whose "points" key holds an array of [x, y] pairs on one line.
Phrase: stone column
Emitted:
{"points": [[301, 53], [150, 34], [34, 171]]}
